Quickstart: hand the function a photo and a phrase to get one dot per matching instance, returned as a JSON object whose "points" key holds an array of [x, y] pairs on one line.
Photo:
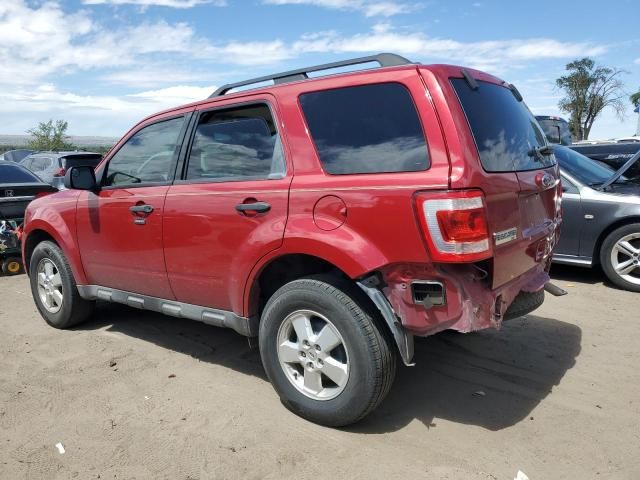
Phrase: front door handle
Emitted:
{"points": [[258, 207], [145, 209]]}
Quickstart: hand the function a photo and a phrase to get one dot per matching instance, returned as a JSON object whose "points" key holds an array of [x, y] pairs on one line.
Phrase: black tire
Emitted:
{"points": [[606, 252], [371, 352], [12, 266], [74, 309], [523, 304]]}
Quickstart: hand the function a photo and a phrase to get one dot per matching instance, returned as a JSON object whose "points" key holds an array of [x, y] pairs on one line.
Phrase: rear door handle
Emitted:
{"points": [[259, 207], [146, 209]]}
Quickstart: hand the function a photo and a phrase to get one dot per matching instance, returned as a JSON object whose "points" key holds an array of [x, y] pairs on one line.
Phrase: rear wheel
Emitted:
{"points": [[325, 351], [54, 288], [12, 266], [620, 257]]}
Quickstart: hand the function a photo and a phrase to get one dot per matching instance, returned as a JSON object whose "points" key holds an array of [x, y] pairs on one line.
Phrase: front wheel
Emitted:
{"points": [[54, 288], [326, 351], [620, 257]]}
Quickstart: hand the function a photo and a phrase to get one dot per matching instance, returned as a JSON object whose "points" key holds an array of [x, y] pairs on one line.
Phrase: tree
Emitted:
{"points": [[635, 99], [589, 89], [50, 136]]}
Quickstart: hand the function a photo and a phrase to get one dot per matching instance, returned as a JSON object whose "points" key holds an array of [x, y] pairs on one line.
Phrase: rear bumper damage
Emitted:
{"points": [[466, 302]]}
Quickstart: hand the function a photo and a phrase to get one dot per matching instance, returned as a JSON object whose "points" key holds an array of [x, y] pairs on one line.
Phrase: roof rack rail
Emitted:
{"points": [[384, 59]]}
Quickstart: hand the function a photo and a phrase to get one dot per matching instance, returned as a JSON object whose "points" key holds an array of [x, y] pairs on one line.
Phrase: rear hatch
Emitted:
{"points": [[81, 160], [18, 187], [519, 175]]}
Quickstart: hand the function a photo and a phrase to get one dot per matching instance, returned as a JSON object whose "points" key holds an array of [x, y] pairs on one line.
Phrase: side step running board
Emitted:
{"points": [[218, 318]]}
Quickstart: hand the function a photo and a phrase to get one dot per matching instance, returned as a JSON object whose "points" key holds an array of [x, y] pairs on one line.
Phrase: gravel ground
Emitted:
{"points": [[137, 395]]}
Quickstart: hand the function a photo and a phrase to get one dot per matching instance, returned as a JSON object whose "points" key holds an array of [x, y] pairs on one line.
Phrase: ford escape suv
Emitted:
{"points": [[334, 217]]}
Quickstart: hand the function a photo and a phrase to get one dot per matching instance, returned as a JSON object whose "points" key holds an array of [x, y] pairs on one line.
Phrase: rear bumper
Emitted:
{"points": [[470, 304]]}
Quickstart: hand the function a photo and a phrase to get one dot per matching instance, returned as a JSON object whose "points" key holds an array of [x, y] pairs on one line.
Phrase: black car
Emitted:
{"points": [[613, 154], [601, 219], [18, 186]]}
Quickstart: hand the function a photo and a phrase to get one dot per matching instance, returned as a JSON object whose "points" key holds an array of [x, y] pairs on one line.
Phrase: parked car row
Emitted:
{"points": [[51, 166]]}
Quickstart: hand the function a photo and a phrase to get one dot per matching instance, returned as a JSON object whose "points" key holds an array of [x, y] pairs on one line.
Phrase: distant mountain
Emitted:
{"points": [[84, 141]]}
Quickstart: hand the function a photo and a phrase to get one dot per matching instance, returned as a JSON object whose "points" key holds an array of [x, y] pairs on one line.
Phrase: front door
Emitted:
{"points": [[230, 208], [120, 226], [572, 219]]}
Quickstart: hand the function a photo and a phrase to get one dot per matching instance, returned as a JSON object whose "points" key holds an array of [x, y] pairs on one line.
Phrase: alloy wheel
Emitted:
{"points": [[50, 288], [313, 355], [625, 258]]}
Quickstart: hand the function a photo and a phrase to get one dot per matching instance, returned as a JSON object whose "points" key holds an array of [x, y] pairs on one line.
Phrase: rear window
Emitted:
{"points": [[366, 129], [12, 174], [505, 131]]}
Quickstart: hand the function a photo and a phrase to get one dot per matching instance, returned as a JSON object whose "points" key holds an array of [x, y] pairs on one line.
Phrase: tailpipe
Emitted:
{"points": [[554, 290]]}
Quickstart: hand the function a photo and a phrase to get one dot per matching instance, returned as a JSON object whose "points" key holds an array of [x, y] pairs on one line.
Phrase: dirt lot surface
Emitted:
{"points": [[138, 395]]}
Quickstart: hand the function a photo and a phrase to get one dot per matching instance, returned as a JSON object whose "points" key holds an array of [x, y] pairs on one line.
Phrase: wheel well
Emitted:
{"points": [[283, 270], [33, 240], [605, 233]]}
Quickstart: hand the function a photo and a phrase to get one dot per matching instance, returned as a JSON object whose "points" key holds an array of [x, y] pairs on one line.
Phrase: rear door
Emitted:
{"points": [[520, 179], [230, 207]]}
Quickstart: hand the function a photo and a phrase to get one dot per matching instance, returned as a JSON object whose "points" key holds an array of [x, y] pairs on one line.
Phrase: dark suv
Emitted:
{"points": [[332, 217]]}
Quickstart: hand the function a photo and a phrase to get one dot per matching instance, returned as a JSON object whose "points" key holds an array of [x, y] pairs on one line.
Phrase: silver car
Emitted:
{"points": [[51, 166]]}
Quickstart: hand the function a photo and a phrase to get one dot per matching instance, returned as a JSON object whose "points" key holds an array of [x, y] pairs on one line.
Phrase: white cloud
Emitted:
{"points": [[369, 8], [39, 41], [175, 95], [158, 3], [490, 55], [108, 115], [637, 60]]}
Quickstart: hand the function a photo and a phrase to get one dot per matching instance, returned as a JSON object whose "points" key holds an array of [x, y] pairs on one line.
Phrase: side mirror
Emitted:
{"points": [[81, 178]]}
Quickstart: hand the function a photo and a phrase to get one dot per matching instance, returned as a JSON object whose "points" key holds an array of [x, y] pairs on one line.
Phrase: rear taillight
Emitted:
{"points": [[455, 225], [59, 173]]}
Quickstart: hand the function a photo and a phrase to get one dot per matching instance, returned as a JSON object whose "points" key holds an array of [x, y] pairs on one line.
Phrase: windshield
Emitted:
{"points": [[13, 174], [583, 169], [507, 135]]}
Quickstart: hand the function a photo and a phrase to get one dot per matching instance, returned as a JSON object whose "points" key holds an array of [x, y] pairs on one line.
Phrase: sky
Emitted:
{"points": [[103, 65]]}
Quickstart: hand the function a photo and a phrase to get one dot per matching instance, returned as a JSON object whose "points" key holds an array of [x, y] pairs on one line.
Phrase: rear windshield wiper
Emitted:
{"points": [[540, 151]]}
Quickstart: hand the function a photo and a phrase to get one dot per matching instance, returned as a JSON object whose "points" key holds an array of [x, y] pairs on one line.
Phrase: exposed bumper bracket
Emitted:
{"points": [[554, 290], [403, 340]]}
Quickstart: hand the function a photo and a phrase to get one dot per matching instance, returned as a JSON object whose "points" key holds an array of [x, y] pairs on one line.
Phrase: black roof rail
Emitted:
{"points": [[384, 59]]}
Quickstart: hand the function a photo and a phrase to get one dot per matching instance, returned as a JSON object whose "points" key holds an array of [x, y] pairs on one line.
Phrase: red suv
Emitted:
{"points": [[333, 217]]}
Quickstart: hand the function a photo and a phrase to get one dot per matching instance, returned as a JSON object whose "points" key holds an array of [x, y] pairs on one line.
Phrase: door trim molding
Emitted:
{"points": [[211, 316], [572, 260]]}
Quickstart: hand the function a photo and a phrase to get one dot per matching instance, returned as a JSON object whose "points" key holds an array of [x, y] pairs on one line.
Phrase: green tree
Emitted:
{"points": [[589, 89], [635, 99], [50, 136]]}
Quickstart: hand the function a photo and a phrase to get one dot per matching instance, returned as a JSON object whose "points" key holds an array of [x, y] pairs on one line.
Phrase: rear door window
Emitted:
{"points": [[240, 143], [505, 131], [366, 129]]}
